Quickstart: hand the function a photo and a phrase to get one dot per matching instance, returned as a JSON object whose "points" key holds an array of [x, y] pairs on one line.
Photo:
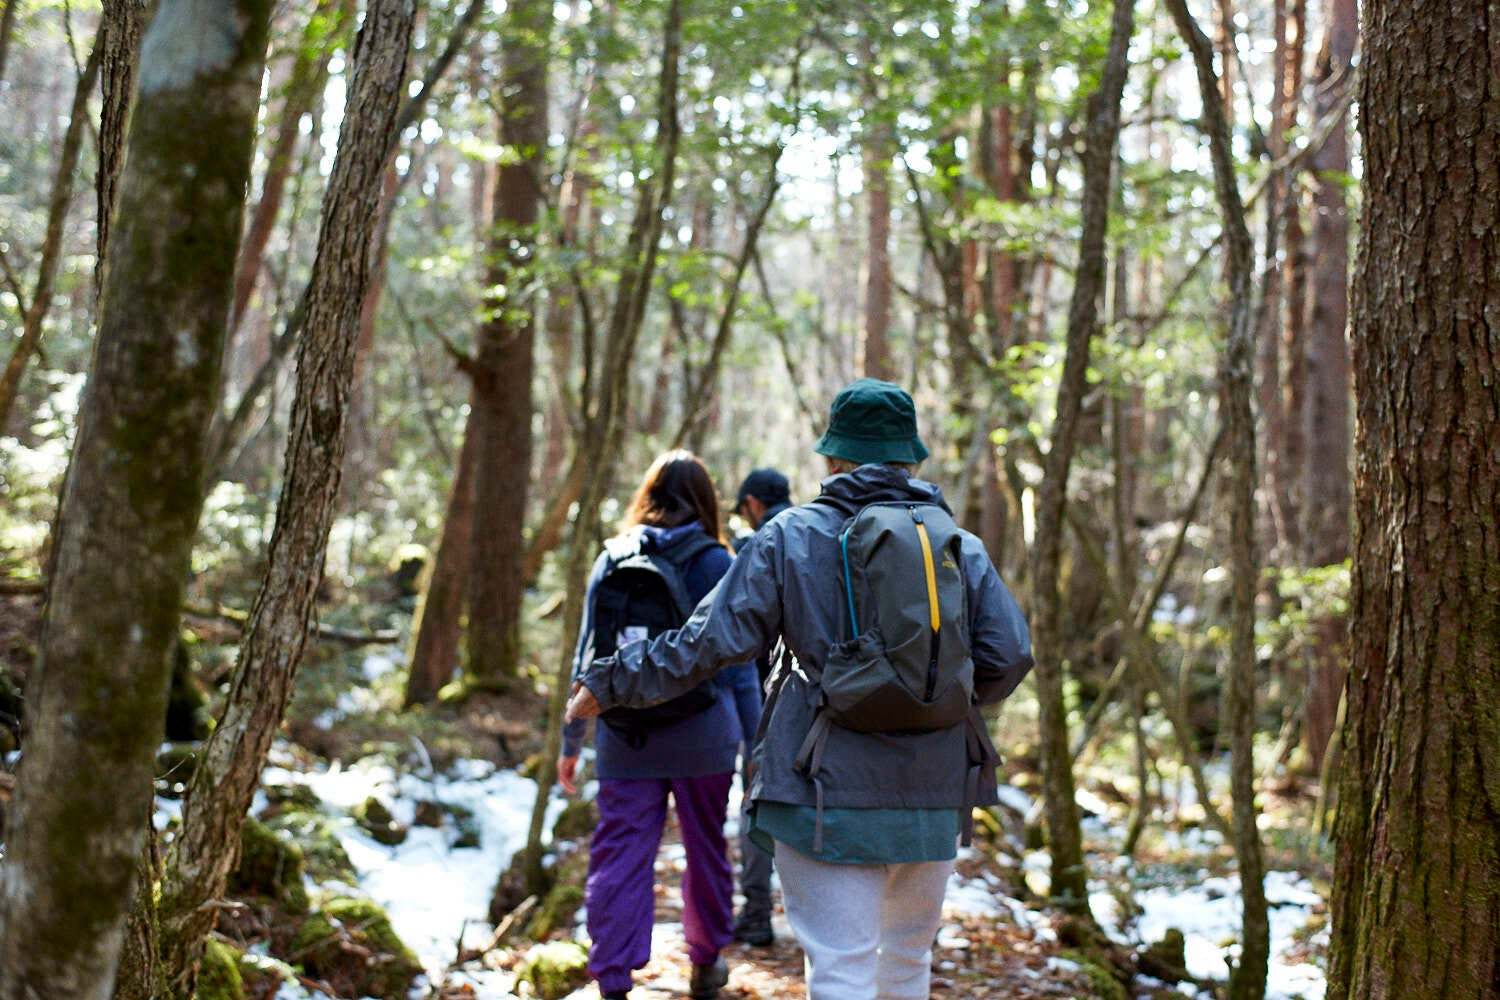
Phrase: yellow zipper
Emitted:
{"points": [[932, 595]]}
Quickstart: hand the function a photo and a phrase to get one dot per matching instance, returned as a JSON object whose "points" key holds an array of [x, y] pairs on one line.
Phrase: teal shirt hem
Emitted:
{"points": [[858, 836]]}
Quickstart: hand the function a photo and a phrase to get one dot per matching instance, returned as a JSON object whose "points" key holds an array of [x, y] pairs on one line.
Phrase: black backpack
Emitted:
{"points": [[641, 595]]}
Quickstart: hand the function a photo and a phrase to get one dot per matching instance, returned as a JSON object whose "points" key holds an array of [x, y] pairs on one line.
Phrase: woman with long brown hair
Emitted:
{"points": [[669, 555]]}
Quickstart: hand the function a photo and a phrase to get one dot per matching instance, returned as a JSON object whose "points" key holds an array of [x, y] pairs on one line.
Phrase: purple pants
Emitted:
{"points": [[621, 895]]}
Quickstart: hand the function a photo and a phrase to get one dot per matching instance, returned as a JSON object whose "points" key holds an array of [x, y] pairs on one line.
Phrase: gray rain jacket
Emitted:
{"points": [[786, 584]]}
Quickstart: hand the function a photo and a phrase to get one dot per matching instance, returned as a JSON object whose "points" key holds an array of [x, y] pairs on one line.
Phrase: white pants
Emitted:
{"points": [[867, 930]]}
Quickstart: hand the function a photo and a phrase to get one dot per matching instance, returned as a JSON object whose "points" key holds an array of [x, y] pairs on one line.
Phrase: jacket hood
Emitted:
{"points": [[660, 539], [881, 484]]}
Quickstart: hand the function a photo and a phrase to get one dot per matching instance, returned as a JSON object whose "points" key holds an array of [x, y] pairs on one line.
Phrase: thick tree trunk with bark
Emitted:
{"points": [[1247, 980], [1292, 446], [507, 353], [1416, 905], [435, 627], [1064, 839], [52, 249], [130, 506], [1326, 473], [229, 769]]}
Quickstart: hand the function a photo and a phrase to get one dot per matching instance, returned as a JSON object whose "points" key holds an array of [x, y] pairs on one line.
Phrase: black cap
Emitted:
{"points": [[766, 485]]}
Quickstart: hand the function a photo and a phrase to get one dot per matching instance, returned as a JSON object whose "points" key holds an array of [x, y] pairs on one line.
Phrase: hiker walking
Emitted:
{"points": [[646, 581], [893, 628], [763, 495]]}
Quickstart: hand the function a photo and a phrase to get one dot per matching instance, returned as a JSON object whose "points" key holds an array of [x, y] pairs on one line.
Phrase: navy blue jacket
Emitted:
{"points": [[707, 743]]}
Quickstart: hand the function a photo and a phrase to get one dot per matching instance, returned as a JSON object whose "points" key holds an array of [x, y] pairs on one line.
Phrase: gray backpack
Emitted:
{"points": [[905, 667]]}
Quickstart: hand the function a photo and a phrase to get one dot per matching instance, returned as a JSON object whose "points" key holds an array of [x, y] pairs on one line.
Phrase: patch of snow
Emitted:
{"points": [[1014, 799], [377, 665], [1208, 914], [431, 891], [969, 897]]}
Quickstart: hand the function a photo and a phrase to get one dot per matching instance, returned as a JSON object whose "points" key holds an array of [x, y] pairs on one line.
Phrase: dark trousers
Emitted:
{"points": [[621, 895], [755, 865]]}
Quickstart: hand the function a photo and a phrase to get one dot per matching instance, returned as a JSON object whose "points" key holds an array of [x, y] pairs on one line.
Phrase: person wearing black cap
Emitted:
{"points": [[763, 495], [894, 628]]}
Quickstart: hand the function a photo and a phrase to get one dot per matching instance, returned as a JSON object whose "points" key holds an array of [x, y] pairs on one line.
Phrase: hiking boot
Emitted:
{"points": [[708, 980], [617, 995], [754, 929]]}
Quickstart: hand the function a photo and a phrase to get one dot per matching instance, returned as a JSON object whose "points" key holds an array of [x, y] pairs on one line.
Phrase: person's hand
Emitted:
{"points": [[583, 704], [567, 773]]}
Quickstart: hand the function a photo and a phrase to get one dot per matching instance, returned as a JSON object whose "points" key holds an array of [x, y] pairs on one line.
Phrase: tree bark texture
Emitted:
{"points": [[506, 352], [1326, 475], [1416, 904], [1292, 446], [1064, 838], [229, 769], [435, 627], [130, 505], [52, 242], [1247, 980], [120, 36]]}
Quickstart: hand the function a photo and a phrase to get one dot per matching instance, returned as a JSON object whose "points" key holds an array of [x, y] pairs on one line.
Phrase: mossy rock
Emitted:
{"points": [[270, 867], [555, 969], [1165, 959], [556, 912], [324, 857], [289, 797], [576, 821], [1101, 980], [350, 944], [219, 973], [376, 819]]}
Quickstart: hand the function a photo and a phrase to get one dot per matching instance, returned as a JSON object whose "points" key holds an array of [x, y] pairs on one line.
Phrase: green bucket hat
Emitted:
{"points": [[872, 421]]}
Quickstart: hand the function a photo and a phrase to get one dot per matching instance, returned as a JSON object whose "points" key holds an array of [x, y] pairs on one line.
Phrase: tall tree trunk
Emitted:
{"points": [[130, 506], [435, 628], [1416, 903], [1294, 301], [507, 352], [271, 646], [877, 149], [1268, 334], [120, 35], [1247, 981], [52, 249], [599, 444], [309, 73], [1064, 839], [1326, 474]]}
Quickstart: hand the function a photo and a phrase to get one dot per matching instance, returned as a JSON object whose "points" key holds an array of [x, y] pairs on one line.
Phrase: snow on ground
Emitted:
{"points": [[432, 891], [1208, 914]]}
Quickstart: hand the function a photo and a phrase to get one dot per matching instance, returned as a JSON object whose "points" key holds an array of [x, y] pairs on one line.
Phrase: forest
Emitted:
{"points": [[338, 335]]}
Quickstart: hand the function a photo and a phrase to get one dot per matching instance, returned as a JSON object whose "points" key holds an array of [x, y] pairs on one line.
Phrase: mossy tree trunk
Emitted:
{"points": [[877, 150], [271, 647], [1064, 837], [130, 504], [1416, 903], [603, 424], [1247, 980]]}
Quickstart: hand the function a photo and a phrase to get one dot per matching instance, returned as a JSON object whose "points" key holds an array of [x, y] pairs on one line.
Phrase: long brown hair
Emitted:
{"points": [[677, 490]]}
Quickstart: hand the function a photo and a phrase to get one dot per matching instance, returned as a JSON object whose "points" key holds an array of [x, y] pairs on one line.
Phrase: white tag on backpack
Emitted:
{"points": [[631, 633]]}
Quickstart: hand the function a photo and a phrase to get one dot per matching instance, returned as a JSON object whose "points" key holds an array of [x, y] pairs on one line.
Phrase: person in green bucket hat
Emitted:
{"points": [[872, 422], [891, 628]]}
